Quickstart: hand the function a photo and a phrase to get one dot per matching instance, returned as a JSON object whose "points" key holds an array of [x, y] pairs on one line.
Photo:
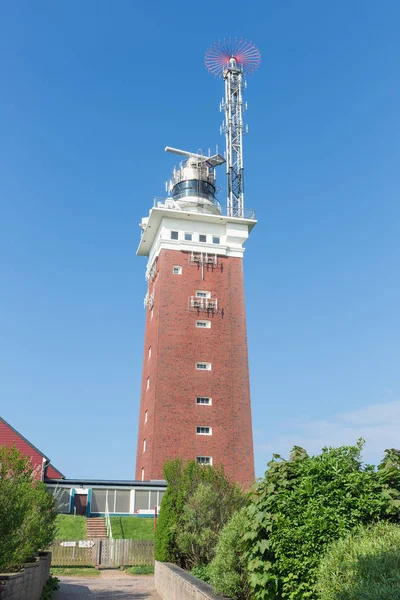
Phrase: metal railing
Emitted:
{"points": [[107, 520], [247, 213], [203, 304]]}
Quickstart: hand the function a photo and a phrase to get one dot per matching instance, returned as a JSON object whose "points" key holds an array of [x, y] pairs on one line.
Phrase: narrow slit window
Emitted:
{"points": [[203, 366], [147, 383], [204, 460], [203, 324], [204, 400], [146, 415], [202, 430], [144, 445], [149, 351], [142, 473]]}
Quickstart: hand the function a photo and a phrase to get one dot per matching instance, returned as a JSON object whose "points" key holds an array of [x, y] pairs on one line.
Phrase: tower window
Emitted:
{"points": [[146, 414], [149, 351], [202, 294], [147, 383], [177, 270], [188, 237], [203, 400], [216, 239], [203, 366], [202, 238], [142, 473], [203, 324], [144, 445], [200, 430], [204, 460], [174, 235]]}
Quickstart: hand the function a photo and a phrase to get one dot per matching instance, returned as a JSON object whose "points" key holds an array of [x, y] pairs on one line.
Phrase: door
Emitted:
{"points": [[80, 503]]}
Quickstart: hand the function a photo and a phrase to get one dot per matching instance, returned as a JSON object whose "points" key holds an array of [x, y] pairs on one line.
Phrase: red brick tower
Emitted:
{"points": [[195, 398]]}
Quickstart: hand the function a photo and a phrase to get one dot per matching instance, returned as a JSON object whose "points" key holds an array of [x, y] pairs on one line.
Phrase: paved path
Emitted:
{"points": [[109, 586]]}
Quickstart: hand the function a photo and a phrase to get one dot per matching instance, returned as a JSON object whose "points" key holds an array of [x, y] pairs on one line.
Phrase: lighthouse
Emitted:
{"points": [[195, 394]]}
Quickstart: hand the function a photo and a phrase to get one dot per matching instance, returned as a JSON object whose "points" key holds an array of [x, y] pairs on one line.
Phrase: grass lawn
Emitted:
{"points": [[75, 571], [134, 528], [70, 528], [140, 570]]}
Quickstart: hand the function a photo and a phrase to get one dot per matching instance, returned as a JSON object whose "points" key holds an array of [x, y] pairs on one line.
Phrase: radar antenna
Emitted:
{"points": [[233, 59]]}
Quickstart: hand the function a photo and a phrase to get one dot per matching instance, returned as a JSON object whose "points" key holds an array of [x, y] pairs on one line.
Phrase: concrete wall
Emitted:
{"points": [[27, 585], [173, 583]]}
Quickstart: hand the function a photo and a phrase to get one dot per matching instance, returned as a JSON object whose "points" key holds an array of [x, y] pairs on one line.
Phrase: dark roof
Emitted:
{"points": [[109, 482], [30, 444]]}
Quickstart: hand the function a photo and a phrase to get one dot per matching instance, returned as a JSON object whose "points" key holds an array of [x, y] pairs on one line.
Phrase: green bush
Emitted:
{"points": [[228, 571], [197, 503], [301, 506], [365, 565], [27, 511], [50, 587], [202, 573]]}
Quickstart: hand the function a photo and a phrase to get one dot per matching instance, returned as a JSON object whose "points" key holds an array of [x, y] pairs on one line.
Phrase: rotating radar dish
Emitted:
{"points": [[219, 56]]}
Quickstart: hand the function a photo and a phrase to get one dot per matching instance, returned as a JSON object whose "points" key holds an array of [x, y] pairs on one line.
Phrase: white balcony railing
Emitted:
{"points": [[203, 304]]}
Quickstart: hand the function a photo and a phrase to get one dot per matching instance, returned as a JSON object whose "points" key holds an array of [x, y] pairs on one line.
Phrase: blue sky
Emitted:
{"points": [[90, 95]]}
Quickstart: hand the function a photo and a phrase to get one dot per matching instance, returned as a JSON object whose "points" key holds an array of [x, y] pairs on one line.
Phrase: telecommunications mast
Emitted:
{"points": [[233, 59]]}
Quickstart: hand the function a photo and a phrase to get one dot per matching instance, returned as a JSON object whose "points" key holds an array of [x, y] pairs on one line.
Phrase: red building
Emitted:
{"points": [[195, 397], [40, 462]]}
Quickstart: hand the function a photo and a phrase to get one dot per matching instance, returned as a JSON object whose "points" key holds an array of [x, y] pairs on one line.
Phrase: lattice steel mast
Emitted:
{"points": [[232, 60]]}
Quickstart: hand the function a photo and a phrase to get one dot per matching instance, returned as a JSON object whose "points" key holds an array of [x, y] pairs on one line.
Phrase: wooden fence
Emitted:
{"points": [[104, 553]]}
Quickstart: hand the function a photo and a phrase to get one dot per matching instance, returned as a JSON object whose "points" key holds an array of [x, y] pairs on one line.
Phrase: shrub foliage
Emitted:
{"points": [[228, 571], [198, 502], [27, 511], [305, 503], [365, 565]]}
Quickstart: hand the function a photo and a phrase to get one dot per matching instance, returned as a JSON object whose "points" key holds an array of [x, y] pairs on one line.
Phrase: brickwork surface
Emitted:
{"points": [[111, 585], [176, 345]]}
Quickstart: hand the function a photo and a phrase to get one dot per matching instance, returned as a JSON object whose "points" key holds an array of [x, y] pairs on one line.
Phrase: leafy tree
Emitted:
{"points": [[228, 571], [27, 511], [199, 500], [362, 565], [301, 506]]}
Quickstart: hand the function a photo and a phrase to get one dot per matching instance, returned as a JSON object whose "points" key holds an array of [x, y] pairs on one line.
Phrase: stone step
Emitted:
{"points": [[96, 528]]}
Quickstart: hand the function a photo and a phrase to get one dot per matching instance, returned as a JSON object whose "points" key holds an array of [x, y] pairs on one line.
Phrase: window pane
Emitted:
{"points": [[202, 238], [142, 498], [174, 235], [204, 460], [99, 501], [63, 497], [153, 500], [122, 502], [216, 240], [203, 400], [188, 237]]}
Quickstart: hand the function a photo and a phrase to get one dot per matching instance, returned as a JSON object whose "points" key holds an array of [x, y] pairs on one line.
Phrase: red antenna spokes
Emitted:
{"points": [[245, 53]]}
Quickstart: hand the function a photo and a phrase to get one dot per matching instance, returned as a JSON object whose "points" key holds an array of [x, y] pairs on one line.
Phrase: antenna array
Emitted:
{"points": [[232, 60]]}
